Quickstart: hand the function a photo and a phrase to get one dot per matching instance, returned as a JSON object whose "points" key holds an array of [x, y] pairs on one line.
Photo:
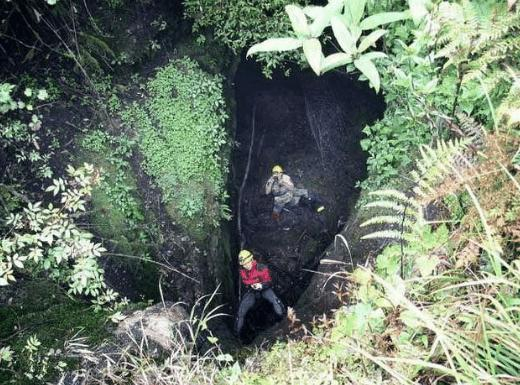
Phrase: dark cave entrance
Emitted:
{"points": [[312, 127]]}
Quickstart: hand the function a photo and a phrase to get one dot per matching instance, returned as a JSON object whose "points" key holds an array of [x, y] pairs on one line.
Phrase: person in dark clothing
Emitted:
{"points": [[256, 277]]}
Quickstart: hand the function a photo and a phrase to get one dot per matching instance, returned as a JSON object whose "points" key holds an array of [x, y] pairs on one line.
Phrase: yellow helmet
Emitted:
{"points": [[277, 168], [244, 257]]}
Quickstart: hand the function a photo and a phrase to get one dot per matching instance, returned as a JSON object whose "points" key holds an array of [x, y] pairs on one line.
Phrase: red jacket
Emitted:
{"points": [[258, 274]]}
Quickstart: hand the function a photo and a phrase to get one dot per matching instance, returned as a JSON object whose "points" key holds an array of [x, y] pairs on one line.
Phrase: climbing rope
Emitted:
{"points": [[241, 191]]}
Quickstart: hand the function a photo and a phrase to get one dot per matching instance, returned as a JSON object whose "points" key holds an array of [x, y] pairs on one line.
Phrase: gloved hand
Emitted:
{"points": [[257, 286]]}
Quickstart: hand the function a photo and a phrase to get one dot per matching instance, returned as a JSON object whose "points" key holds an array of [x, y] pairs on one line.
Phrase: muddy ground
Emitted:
{"points": [[312, 127]]}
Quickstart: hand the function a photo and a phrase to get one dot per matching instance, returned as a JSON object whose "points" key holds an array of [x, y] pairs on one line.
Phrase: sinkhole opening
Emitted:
{"points": [[312, 127]]}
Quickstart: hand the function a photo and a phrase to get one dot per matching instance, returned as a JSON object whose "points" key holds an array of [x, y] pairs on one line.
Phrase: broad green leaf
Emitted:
{"points": [[396, 292], [356, 319], [3, 282], [212, 339], [417, 10], [383, 303], [335, 60], [42, 95], [378, 19], [354, 10], [409, 319], [343, 35], [374, 55], [361, 276], [389, 262], [5, 92], [298, 20], [224, 358], [368, 69], [430, 86], [275, 45], [427, 264], [312, 51], [370, 39], [367, 293]]}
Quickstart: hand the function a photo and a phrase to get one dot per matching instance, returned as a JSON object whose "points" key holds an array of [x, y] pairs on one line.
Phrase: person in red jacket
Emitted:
{"points": [[256, 277]]}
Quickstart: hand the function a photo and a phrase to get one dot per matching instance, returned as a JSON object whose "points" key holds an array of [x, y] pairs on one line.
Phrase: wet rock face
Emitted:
{"points": [[312, 126], [158, 328]]}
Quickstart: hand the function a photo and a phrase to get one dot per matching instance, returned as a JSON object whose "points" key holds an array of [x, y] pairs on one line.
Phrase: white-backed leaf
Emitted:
{"points": [[375, 55], [368, 69], [371, 39], [378, 19], [322, 15], [298, 20], [312, 51], [355, 31], [321, 21], [18, 263], [343, 35], [313, 11], [417, 10], [355, 10], [335, 6], [335, 60], [275, 45]]}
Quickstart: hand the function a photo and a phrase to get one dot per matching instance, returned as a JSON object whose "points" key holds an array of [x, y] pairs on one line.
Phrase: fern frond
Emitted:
{"points": [[435, 165], [398, 195], [97, 44], [473, 131], [472, 31], [385, 234], [386, 204], [387, 219], [509, 110]]}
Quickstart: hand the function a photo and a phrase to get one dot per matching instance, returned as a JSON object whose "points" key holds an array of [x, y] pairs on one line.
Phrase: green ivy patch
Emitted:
{"points": [[181, 133]]}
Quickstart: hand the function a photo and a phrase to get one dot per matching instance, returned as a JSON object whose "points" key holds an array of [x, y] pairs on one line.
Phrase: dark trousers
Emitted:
{"points": [[248, 301]]}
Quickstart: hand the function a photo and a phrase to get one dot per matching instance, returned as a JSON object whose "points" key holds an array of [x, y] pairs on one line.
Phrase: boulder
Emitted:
{"points": [[156, 329]]}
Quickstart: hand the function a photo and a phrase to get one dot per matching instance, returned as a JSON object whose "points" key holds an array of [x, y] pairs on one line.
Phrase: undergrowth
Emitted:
{"points": [[181, 134], [117, 212]]}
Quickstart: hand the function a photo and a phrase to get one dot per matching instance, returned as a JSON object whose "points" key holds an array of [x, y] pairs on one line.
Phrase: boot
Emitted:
{"points": [[316, 205], [319, 208]]}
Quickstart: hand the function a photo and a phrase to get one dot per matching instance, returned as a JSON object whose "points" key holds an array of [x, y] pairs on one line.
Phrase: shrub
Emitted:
{"points": [[238, 24]]}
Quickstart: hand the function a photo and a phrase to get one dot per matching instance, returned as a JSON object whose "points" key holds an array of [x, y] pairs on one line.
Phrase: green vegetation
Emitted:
{"points": [[428, 80], [181, 134], [439, 304], [42, 313], [117, 215], [238, 24], [345, 19], [116, 197], [443, 306]]}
